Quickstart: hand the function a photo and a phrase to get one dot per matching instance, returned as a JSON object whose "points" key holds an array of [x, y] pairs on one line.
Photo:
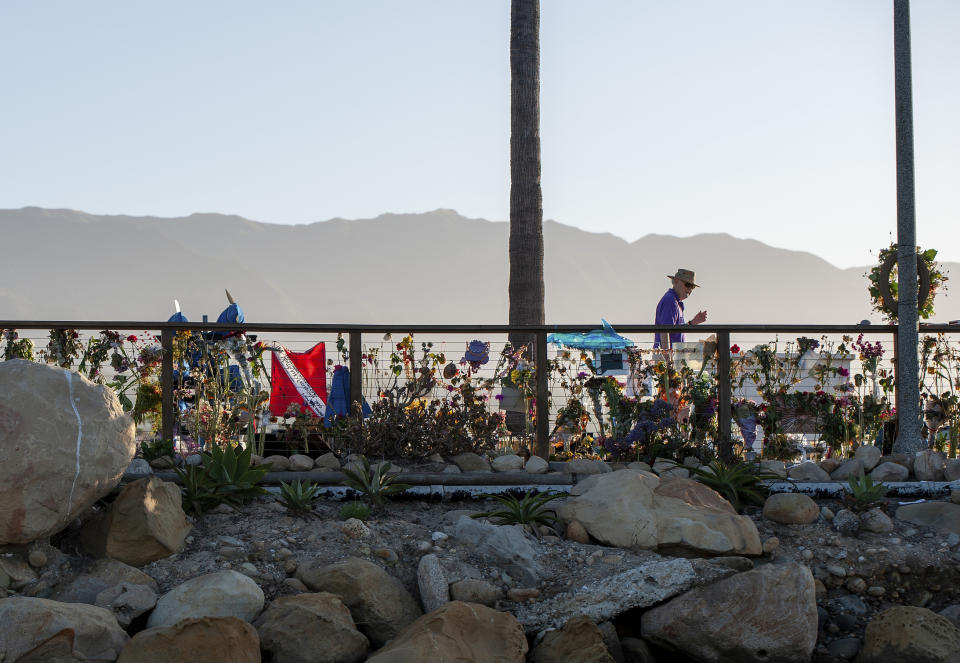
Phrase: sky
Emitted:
{"points": [[764, 119]]}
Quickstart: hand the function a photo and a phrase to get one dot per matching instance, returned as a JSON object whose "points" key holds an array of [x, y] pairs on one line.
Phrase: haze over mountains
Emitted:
{"points": [[431, 268]]}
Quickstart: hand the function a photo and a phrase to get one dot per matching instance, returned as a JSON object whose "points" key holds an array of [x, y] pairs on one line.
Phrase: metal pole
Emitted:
{"points": [[908, 381], [542, 447], [356, 371], [166, 384], [723, 397]]}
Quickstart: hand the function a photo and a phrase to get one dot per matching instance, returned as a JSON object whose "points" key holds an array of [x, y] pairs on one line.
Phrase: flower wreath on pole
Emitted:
{"points": [[883, 282]]}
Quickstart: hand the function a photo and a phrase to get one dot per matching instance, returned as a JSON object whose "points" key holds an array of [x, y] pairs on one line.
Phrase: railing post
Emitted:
{"points": [[166, 384], [723, 395], [356, 371], [543, 398]]}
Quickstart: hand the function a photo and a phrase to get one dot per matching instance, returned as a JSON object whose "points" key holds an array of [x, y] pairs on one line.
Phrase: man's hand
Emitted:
{"points": [[699, 318]]}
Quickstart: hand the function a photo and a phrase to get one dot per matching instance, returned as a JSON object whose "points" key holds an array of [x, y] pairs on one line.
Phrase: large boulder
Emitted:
{"points": [[890, 471], [579, 641], [30, 622], [942, 516], [471, 462], [908, 633], [768, 614], [458, 632], [647, 583], [310, 628], [145, 523], [637, 509], [101, 575], [381, 607], [508, 546], [207, 639], [928, 465], [221, 594], [58, 648], [808, 471], [791, 509], [869, 455], [66, 443]]}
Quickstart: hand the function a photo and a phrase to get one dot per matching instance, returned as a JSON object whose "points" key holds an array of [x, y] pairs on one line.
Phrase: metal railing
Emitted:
{"points": [[536, 333]]}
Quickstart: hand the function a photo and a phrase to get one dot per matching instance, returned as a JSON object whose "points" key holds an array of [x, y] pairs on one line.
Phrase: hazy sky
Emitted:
{"points": [[761, 118]]}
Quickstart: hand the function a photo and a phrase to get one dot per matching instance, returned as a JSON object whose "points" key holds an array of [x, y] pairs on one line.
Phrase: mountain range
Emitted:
{"points": [[432, 268]]}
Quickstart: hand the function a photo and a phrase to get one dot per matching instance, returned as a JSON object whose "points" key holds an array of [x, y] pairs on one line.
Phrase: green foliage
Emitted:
{"points": [[355, 509], [739, 483], [375, 484], [224, 477], [152, 450], [864, 493], [299, 496], [528, 509]]}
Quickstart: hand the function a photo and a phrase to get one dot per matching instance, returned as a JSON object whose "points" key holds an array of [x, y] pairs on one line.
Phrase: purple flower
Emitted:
{"points": [[843, 372], [499, 397]]}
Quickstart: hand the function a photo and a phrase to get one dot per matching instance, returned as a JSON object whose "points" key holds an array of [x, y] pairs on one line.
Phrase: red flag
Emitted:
{"points": [[299, 377]]}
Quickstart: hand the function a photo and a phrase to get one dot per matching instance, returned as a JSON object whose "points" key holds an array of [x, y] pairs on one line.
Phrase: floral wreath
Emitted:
{"points": [[883, 290]]}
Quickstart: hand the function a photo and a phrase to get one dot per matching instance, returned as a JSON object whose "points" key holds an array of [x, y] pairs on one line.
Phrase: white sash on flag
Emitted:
{"points": [[309, 396]]}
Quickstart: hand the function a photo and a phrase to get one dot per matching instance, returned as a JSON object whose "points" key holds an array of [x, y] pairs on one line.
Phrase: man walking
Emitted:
{"points": [[670, 308]]}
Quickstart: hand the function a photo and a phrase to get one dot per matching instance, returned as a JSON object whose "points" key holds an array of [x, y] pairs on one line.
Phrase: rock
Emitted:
{"points": [[808, 471], [310, 628], [844, 648], [907, 633], [951, 470], [639, 465], [777, 467], [163, 463], [734, 562], [579, 641], [521, 594], [856, 585], [434, 590], [475, 591], [207, 639], [471, 462], [327, 461], [37, 558], [900, 458], [196, 459], [646, 584], [636, 650], [300, 463], [354, 528], [955, 496], [848, 604], [144, 523], [138, 466], [277, 463], [576, 532], [509, 546], [585, 466], [58, 648], [889, 472], [388, 555], [952, 612], [16, 573], [458, 632], [379, 604], [876, 520], [536, 465], [127, 601], [507, 463], [103, 574], [850, 468], [928, 465], [639, 510], [97, 636], [828, 465], [791, 509], [768, 614], [827, 514], [942, 516], [612, 640], [66, 442], [451, 469], [869, 455], [846, 522], [770, 545], [222, 594]]}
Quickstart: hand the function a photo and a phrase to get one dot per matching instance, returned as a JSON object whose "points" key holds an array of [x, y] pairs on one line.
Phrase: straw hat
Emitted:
{"points": [[685, 275]]}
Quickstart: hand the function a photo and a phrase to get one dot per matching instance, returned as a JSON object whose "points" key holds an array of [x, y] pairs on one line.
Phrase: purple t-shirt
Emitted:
{"points": [[669, 312]]}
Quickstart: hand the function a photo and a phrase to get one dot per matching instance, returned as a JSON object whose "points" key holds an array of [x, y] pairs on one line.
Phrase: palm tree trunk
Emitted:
{"points": [[526, 290]]}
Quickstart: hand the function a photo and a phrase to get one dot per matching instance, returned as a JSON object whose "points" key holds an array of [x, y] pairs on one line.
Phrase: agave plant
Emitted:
{"points": [[299, 496], [225, 476], [531, 508], [739, 483], [864, 493], [375, 484]]}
